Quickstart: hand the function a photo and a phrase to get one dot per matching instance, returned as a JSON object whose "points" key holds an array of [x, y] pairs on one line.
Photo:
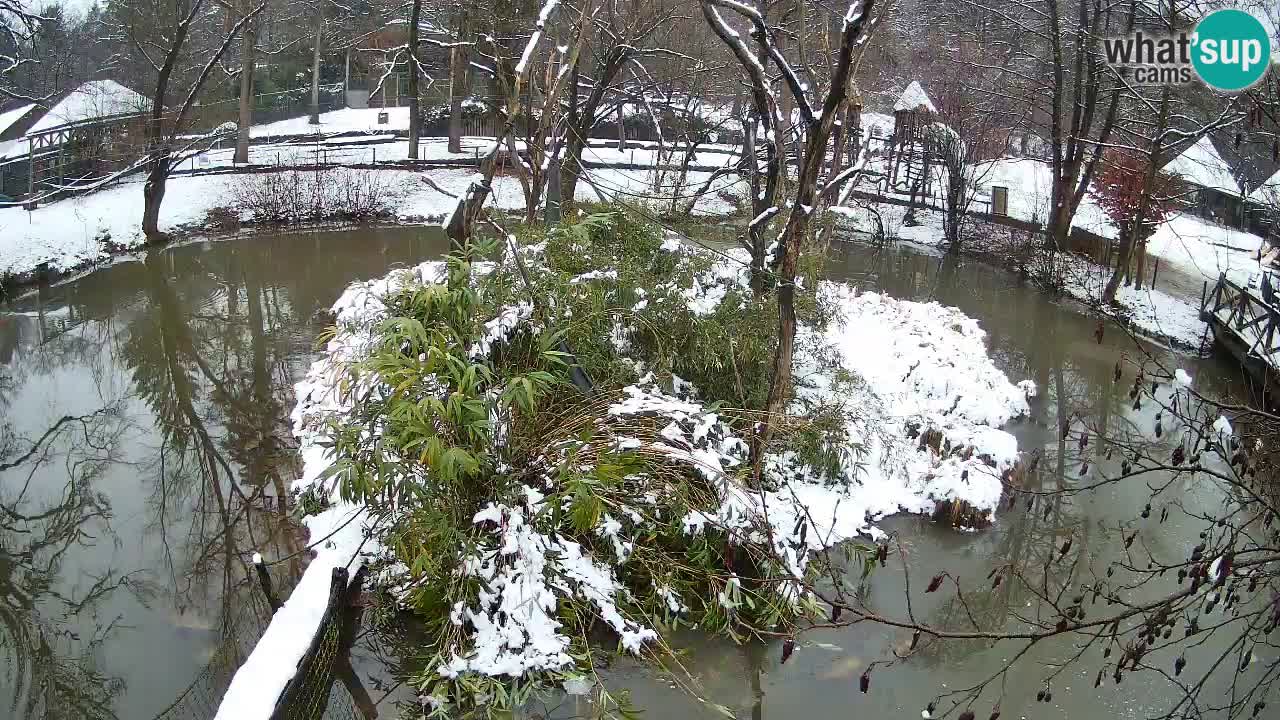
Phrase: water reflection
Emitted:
{"points": [[125, 531], [53, 669]]}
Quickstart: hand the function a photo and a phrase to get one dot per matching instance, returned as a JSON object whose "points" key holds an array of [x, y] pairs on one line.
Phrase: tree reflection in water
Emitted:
{"points": [[50, 663], [192, 353]]}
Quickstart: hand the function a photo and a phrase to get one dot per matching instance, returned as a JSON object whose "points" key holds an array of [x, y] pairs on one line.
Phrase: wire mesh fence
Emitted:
{"points": [[324, 688]]}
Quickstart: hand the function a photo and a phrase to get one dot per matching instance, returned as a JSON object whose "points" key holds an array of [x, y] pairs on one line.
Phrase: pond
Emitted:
{"points": [[157, 391], [150, 403]]}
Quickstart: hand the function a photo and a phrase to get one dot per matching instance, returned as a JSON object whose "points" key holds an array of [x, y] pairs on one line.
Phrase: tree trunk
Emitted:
{"points": [[791, 240], [153, 196], [1122, 265], [415, 117], [315, 72], [622, 126], [1140, 248], [1138, 233], [457, 87], [248, 44]]}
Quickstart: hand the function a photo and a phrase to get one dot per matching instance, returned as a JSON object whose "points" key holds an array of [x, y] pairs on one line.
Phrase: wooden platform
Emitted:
{"points": [[1249, 328]]}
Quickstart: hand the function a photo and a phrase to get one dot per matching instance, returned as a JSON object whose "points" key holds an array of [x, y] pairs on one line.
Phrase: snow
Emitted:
{"points": [[346, 120], [1222, 426], [1030, 184], [91, 101], [339, 534], [264, 674], [1181, 377], [1204, 249], [70, 233], [1171, 313], [931, 371], [1152, 312], [914, 98], [1200, 164], [9, 117], [878, 124]]}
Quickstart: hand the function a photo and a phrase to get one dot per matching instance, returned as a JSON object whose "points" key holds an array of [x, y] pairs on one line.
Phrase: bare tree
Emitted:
{"points": [[316, 43], [816, 127], [165, 125], [962, 140], [459, 72], [415, 112], [17, 25], [618, 38]]}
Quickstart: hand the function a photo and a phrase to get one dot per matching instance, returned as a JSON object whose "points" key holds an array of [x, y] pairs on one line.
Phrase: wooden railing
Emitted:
{"points": [[1248, 316]]}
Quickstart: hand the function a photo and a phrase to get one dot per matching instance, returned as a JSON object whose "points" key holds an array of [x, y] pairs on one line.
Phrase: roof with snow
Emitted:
{"points": [[1268, 193], [13, 115], [97, 100], [1201, 165], [914, 98]]}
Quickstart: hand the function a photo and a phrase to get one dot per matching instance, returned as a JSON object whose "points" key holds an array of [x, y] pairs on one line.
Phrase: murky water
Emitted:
{"points": [[155, 394], [144, 448]]}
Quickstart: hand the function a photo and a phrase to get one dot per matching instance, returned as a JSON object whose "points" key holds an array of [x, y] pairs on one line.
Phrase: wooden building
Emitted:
{"points": [[85, 134]]}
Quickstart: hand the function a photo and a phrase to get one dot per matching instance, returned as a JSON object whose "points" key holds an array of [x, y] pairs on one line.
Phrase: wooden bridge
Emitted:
{"points": [[1248, 326]]}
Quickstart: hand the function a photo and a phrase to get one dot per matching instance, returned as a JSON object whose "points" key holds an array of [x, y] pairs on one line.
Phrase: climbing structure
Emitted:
{"points": [[908, 157]]}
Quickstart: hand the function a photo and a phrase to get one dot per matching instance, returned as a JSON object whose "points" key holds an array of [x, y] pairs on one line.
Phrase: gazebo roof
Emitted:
{"points": [[914, 99]]}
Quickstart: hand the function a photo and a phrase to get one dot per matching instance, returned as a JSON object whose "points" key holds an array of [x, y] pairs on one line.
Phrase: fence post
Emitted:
{"points": [[264, 579], [1155, 272], [375, 155]]}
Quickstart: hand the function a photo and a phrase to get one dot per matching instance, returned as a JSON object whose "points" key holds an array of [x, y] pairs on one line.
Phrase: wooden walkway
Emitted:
{"points": [[1248, 327]]}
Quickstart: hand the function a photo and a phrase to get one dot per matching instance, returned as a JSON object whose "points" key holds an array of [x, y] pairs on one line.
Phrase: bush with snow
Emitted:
{"points": [[520, 512]]}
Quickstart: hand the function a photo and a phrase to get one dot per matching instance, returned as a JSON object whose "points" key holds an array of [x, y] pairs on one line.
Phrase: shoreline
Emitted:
{"points": [[14, 288]]}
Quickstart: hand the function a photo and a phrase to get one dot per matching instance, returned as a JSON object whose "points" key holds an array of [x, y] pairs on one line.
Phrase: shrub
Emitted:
{"points": [[297, 196], [510, 489]]}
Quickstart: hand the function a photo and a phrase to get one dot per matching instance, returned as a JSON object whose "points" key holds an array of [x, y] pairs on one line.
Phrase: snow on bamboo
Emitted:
{"points": [[930, 370]]}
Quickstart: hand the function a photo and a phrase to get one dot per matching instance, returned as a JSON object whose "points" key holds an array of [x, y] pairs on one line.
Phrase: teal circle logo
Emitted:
{"points": [[1231, 50]]}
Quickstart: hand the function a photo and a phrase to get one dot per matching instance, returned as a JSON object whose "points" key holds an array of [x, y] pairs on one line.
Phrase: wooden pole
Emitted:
{"points": [[264, 579]]}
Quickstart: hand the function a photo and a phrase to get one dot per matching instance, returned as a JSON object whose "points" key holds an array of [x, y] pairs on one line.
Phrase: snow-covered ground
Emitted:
{"points": [[345, 151], [1204, 249], [1156, 312], [1150, 311], [1030, 183], [70, 233], [346, 120]]}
